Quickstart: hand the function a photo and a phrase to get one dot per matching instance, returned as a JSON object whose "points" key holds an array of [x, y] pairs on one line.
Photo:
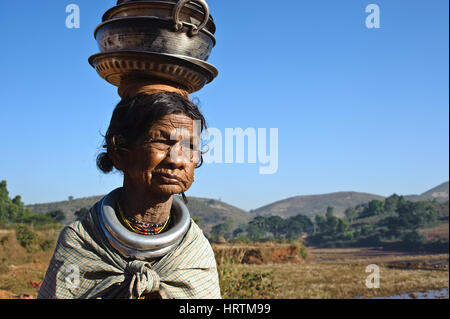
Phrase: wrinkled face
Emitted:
{"points": [[163, 160]]}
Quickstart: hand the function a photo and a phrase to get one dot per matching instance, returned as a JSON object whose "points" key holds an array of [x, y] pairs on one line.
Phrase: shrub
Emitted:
{"points": [[414, 239], [4, 240], [25, 236], [47, 244], [240, 239], [373, 240], [57, 215], [303, 252], [438, 245], [3, 268]]}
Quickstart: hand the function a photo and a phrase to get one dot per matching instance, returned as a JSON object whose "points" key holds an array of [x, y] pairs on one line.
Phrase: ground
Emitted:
{"points": [[337, 273], [287, 271]]}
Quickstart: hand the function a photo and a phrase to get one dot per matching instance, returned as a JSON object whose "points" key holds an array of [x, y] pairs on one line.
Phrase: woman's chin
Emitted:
{"points": [[167, 189]]}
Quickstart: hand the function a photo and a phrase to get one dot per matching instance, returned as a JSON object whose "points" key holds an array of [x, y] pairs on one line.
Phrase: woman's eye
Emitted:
{"points": [[159, 143], [188, 142]]}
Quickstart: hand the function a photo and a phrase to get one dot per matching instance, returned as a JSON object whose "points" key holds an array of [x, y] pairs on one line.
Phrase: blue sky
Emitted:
{"points": [[357, 109]]}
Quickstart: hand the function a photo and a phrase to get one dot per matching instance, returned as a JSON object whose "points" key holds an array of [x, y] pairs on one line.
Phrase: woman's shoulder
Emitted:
{"points": [[79, 228], [196, 232], [196, 241]]}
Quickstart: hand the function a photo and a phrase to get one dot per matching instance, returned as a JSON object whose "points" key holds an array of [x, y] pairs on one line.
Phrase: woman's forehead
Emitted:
{"points": [[171, 122]]}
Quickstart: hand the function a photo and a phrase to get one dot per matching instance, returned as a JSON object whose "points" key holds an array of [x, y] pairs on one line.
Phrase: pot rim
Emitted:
{"points": [[198, 63], [149, 18], [207, 70], [134, 1], [130, 4]]}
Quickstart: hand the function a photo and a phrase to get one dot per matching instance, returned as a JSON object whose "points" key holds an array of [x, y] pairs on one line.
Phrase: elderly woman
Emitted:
{"points": [[139, 241]]}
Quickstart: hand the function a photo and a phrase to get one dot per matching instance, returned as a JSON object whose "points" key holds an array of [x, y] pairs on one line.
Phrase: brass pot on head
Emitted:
{"points": [[163, 41]]}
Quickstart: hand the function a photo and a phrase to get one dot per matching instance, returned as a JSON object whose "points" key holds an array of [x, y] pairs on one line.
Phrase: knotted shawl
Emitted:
{"points": [[84, 265]]}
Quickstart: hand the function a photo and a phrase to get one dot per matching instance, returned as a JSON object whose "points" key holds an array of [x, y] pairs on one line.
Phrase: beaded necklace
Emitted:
{"points": [[140, 227]]}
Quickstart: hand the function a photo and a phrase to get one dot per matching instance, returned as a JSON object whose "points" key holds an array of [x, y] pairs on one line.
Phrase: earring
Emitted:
{"points": [[185, 200]]}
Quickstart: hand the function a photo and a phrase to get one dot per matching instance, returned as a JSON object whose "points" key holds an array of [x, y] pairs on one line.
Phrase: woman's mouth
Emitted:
{"points": [[167, 178]]}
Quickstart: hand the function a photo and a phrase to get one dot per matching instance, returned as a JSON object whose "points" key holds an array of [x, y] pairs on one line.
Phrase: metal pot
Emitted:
{"points": [[156, 35], [191, 13], [166, 41]]}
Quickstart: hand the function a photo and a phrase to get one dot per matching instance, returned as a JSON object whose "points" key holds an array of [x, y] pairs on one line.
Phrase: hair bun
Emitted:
{"points": [[104, 163]]}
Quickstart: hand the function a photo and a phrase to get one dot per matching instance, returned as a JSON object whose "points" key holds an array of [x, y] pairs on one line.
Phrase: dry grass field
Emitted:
{"points": [[334, 273], [287, 271], [21, 269]]}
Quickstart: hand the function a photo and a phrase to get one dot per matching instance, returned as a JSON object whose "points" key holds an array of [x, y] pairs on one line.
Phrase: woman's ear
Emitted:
{"points": [[117, 153]]}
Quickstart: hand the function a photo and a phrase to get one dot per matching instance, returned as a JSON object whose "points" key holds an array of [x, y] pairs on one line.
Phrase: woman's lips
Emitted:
{"points": [[168, 178]]}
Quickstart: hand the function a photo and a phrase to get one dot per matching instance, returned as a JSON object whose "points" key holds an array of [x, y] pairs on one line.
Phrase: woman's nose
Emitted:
{"points": [[176, 157]]}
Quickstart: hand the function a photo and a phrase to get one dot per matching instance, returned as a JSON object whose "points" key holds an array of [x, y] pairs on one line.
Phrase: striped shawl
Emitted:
{"points": [[84, 265]]}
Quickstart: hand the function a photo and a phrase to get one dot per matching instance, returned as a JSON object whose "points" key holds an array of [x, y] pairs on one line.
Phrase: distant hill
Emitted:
{"points": [[210, 212], [69, 207], [439, 193], [315, 204]]}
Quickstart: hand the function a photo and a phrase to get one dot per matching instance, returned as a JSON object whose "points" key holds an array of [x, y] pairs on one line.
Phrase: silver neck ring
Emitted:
{"points": [[141, 247]]}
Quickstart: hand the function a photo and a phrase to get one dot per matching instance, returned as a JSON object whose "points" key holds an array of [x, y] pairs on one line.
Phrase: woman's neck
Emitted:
{"points": [[144, 207]]}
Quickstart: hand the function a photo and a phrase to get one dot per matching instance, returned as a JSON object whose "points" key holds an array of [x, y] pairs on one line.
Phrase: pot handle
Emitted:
{"points": [[176, 15]]}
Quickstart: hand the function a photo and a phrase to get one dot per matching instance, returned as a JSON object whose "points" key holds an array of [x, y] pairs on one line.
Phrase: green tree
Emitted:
{"points": [[351, 214], [409, 216], [320, 223], [254, 232], [342, 226], [301, 223], [372, 208], [221, 229], [392, 202], [4, 194], [57, 215], [414, 239], [14, 211], [376, 207], [330, 211], [260, 222], [240, 230], [332, 222], [275, 225]]}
